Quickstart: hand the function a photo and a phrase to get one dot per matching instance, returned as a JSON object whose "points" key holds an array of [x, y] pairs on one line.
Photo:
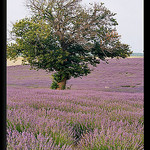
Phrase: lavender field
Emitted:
{"points": [[102, 111]]}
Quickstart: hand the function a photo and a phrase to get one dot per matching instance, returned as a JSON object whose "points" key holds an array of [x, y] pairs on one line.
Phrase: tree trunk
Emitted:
{"points": [[62, 84]]}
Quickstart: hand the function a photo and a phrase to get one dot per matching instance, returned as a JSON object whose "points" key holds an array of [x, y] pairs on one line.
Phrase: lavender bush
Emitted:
{"points": [[101, 111]]}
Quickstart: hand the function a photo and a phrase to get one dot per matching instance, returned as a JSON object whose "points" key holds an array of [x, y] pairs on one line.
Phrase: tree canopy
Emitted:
{"points": [[65, 37]]}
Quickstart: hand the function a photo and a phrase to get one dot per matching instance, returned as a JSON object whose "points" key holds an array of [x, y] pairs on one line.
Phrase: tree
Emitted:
{"points": [[64, 37]]}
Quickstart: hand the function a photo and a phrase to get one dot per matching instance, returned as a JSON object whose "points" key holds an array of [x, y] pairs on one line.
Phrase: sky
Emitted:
{"points": [[129, 17]]}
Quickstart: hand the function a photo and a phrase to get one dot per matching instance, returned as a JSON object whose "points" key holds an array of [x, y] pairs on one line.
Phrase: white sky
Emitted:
{"points": [[129, 17]]}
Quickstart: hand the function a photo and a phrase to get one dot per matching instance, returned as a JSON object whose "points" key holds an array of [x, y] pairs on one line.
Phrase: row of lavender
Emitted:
{"points": [[123, 75], [40, 118]]}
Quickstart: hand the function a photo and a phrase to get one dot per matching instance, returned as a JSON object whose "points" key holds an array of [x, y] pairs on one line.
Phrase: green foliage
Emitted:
{"points": [[60, 139], [54, 85], [19, 127], [54, 41], [57, 78], [79, 129], [10, 124]]}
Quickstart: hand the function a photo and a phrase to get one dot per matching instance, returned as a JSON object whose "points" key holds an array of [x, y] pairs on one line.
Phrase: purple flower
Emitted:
{"points": [[94, 116]]}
